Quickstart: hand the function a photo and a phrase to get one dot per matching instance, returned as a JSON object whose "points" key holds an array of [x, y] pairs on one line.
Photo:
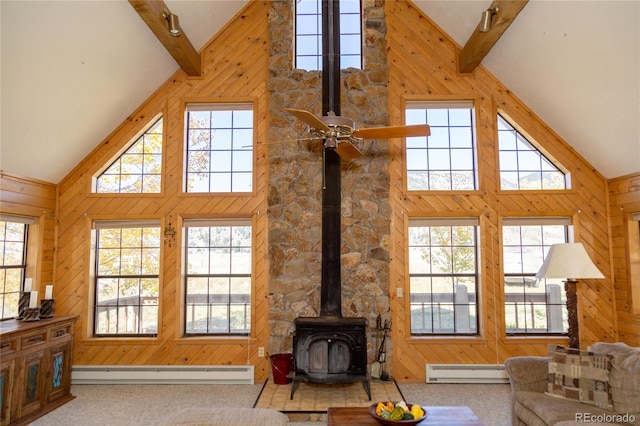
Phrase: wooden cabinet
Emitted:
{"points": [[35, 367]]}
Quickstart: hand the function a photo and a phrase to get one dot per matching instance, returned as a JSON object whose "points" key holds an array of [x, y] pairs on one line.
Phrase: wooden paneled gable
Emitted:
{"points": [[236, 64]]}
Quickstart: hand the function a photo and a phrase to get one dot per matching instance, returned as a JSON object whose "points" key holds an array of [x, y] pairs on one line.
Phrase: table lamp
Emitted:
{"points": [[571, 262]]}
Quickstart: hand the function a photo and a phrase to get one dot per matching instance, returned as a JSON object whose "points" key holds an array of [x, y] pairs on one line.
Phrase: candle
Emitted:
{"points": [[33, 302], [48, 292], [27, 285]]}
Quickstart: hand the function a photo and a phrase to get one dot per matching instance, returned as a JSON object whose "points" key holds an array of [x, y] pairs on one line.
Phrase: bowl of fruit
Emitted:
{"points": [[397, 413]]}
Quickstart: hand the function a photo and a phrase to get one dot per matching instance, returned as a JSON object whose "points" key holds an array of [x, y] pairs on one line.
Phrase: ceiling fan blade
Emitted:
{"points": [[392, 132], [309, 118], [347, 151]]}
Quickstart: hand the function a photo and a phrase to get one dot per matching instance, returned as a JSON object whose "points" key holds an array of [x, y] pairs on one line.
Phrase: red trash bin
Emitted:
{"points": [[281, 366]]}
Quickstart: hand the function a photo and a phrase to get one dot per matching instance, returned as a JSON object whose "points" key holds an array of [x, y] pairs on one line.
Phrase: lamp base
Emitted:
{"points": [[570, 287]]}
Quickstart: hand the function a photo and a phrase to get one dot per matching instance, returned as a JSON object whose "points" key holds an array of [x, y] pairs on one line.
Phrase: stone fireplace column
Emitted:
{"points": [[296, 178]]}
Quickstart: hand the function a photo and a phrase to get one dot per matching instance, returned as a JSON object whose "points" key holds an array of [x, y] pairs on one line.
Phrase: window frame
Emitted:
{"points": [[633, 256], [318, 38], [27, 222], [249, 147], [99, 225], [411, 144], [248, 320], [429, 222], [541, 221], [543, 155], [138, 138]]}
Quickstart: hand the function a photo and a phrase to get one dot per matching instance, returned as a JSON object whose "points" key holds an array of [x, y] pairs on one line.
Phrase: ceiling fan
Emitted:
{"points": [[339, 133]]}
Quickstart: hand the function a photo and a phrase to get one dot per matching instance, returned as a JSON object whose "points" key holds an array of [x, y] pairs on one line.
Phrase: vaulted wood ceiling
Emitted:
{"points": [[73, 71]]}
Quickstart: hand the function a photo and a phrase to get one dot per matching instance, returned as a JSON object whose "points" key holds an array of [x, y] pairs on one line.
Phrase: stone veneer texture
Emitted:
{"points": [[296, 178]]}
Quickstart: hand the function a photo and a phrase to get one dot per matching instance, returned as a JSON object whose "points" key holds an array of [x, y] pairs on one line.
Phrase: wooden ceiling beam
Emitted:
{"points": [[152, 13], [480, 43]]}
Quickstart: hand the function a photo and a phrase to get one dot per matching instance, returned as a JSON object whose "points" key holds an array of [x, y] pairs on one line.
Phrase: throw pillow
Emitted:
{"points": [[580, 375]]}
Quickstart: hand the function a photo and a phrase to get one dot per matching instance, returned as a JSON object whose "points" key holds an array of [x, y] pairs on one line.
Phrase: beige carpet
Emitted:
{"points": [[149, 405], [317, 398]]}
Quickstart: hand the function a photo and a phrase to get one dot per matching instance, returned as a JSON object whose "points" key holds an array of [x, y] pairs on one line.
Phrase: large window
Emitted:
{"points": [[533, 306], [445, 160], [443, 276], [13, 262], [127, 284], [139, 169], [218, 277], [522, 166], [309, 34], [219, 152], [633, 240]]}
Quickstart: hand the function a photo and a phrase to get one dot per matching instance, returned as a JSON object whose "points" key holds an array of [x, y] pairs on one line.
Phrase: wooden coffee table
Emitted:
{"points": [[436, 416]]}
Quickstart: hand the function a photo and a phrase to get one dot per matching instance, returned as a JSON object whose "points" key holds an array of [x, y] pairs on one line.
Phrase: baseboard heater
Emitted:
{"points": [[162, 374], [466, 373]]}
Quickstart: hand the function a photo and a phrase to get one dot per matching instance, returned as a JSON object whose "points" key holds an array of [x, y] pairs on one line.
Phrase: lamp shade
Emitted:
{"points": [[568, 261]]}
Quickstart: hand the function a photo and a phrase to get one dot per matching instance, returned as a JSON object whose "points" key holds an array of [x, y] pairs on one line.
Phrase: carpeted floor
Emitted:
{"points": [[142, 405], [148, 405], [490, 402]]}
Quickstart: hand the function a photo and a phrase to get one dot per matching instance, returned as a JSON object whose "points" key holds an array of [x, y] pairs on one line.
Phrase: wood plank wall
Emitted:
{"points": [[624, 193], [422, 66], [29, 197], [422, 61], [234, 65]]}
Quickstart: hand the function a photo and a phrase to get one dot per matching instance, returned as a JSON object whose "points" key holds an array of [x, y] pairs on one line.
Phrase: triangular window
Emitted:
{"points": [[138, 170], [522, 165]]}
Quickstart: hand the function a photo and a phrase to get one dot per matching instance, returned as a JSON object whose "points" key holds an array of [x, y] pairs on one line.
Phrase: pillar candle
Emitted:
{"points": [[48, 292], [33, 302], [27, 285]]}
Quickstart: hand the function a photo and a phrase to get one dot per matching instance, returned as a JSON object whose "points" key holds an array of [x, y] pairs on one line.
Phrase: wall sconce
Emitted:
{"points": [[569, 261], [172, 22], [169, 234], [487, 19]]}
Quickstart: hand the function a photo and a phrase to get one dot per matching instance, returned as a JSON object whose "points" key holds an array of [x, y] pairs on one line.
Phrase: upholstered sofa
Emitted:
{"points": [[572, 387]]}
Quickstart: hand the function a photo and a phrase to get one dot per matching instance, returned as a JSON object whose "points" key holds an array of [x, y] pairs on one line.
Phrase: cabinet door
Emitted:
{"points": [[30, 386], [6, 385], [58, 372]]}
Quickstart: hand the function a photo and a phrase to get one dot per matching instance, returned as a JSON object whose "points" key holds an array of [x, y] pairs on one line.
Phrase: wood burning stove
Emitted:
{"points": [[330, 349]]}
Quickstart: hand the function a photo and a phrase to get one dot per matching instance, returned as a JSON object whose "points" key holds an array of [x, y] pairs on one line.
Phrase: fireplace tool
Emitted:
{"points": [[382, 350]]}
